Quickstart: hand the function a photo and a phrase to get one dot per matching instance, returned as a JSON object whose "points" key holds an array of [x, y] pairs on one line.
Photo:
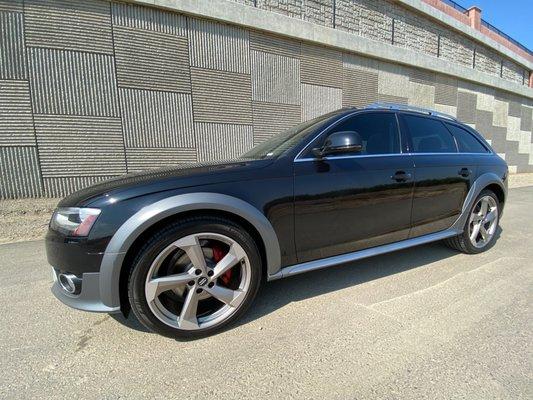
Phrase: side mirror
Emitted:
{"points": [[340, 142]]}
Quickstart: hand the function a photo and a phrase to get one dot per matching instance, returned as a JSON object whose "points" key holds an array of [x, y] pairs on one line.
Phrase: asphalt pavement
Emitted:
{"points": [[424, 323]]}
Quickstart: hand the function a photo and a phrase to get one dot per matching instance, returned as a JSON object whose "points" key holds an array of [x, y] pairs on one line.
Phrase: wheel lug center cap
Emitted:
{"points": [[202, 281]]}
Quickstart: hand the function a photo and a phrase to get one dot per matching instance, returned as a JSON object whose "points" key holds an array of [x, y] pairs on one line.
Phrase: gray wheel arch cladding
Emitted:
{"points": [[129, 231]]}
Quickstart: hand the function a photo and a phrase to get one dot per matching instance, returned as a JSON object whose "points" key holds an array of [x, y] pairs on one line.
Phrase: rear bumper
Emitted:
{"points": [[88, 299]]}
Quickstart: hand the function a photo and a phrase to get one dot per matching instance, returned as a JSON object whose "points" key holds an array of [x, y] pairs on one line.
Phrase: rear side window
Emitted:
{"points": [[429, 135], [466, 141], [378, 131]]}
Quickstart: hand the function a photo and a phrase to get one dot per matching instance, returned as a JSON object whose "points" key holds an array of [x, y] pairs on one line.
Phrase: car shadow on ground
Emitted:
{"points": [[277, 294]]}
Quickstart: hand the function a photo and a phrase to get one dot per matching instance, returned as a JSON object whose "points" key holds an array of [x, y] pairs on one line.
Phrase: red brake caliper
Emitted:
{"points": [[218, 254]]}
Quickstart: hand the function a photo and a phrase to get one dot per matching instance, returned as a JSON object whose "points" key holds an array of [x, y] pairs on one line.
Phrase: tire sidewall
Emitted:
{"points": [[160, 241], [468, 244]]}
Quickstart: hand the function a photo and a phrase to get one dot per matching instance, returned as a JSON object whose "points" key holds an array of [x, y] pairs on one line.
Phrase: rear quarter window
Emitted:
{"points": [[466, 141]]}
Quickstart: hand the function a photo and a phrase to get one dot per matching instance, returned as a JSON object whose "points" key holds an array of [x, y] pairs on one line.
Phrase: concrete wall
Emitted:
{"points": [[92, 89]]}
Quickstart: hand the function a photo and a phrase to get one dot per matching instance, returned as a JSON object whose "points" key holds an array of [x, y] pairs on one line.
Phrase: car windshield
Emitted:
{"points": [[278, 144]]}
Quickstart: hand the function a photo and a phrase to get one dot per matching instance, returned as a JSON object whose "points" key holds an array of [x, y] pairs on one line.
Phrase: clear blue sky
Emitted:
{"points": [[514, 17]]}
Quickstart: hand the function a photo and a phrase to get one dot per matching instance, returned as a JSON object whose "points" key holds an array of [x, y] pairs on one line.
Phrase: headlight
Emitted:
{"points": [[73, 221]]}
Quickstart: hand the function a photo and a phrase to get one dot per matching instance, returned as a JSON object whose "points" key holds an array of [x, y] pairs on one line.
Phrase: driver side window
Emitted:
{"points": [[378, 130]]}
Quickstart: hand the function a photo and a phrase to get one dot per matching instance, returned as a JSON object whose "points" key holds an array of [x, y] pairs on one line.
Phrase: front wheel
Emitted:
{"points": [[480, 229], [194, 277]]}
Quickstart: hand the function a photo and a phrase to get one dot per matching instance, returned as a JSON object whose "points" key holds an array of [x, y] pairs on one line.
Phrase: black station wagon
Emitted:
{"points": [[186, 248]]}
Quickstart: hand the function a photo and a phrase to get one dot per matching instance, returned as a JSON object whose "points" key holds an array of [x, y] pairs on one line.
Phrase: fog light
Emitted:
{"points": [[70, 283]]}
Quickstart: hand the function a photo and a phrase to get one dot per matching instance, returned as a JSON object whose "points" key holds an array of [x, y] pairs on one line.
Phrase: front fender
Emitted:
{"points": [[129, 231]]}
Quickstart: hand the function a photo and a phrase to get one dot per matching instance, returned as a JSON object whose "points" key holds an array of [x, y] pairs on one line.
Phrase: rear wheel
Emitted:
{"points": [[194, 277], [480, 229]]}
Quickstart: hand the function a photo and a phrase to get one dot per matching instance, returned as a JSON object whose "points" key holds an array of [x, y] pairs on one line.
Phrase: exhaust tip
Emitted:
{"points": [[70, 283]]}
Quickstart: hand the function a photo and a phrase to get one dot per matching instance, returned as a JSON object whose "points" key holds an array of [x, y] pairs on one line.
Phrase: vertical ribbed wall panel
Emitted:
{"points": [[83, 25], [318, 100], [16, 123], [140, 159], [157, 119], [76, 145], [275, 78], [12, 50], [152, 19], [68, 82], [151, 60], [321, 66], [19, 172], [221, 96], [222, 141], [271, 119], [219, 46], [359, 88], [62, 186]]}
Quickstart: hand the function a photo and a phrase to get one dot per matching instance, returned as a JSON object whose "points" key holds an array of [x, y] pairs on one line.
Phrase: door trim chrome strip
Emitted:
{"points": [[361, 254]]}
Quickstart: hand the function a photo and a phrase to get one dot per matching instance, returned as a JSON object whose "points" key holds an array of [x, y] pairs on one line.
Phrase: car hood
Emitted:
{"points": [[158, 180]]}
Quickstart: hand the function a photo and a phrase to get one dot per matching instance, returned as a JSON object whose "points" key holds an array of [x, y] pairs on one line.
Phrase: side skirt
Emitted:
{"points": [[359, 255]]}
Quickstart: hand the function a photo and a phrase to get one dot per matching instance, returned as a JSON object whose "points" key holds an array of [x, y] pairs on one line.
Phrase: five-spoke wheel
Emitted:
{"points": [[194, 276]]}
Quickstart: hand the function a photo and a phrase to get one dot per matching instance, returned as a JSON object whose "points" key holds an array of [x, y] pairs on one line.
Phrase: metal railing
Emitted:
{"points": [[506, 36]]}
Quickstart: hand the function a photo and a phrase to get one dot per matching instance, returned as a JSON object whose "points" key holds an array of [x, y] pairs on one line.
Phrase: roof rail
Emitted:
{"points": [[405, 107]]}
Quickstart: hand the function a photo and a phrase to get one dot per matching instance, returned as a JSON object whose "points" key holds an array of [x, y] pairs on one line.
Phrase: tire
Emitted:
{"points": [[169, 288], [463, 242]]}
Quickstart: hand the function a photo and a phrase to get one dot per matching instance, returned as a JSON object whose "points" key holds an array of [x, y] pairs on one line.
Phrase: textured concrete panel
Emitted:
{"points": [[75, 145], [487, 61], [19, 172], [501, 112], [321, 66], [83, 25], [222, 141], [446, 91], [221, 96], [148, 158], [359, 62], [151, 60], [229, 43], [260, 41], [11, 5], [526, 118], [157, 119], [317, 11], [271, 119], [318, 100], [365, 18], [152, 19], [393, 80], [12, 50], [16, 123], [466, 107], [275, 78], [484, 123], [515, 108], [61, 186], [359, 88], [389, 98], [421, 95], [413, 32], [422, 76], [69, 82]]}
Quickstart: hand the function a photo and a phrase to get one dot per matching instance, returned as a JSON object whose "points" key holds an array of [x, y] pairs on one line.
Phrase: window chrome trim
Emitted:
{"points": [[388, 155]]}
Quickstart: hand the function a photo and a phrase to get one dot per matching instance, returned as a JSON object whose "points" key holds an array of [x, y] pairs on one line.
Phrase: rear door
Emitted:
{"points": [[443, 175]]}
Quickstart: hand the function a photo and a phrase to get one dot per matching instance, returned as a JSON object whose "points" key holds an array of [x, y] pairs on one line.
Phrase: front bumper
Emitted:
{"points": [[89, 297]]}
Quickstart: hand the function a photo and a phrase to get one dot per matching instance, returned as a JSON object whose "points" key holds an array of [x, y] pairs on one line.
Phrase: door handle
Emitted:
{"points": [[401, 176], [464, 172]]}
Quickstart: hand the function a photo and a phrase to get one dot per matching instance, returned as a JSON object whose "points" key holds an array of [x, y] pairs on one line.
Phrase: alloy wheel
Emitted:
{"points": [[483, 221], [198, 281]]}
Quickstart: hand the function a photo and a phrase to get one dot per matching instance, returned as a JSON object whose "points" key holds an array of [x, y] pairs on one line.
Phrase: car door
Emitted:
{"points": [[443, 176], [353, 201]]}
